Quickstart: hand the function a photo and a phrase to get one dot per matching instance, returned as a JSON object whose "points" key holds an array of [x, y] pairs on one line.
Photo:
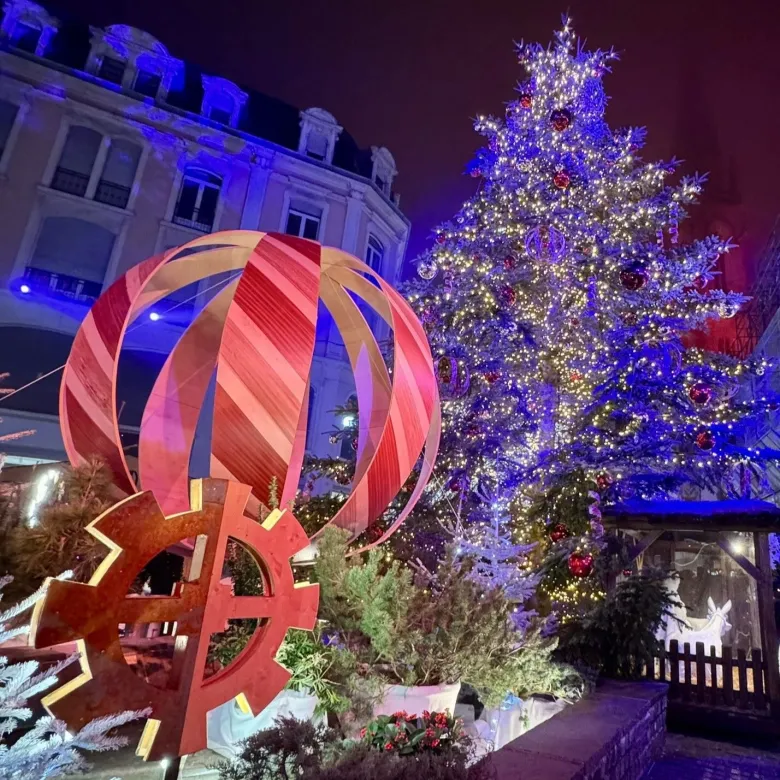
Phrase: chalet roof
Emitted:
{"points": [[728, 515]]}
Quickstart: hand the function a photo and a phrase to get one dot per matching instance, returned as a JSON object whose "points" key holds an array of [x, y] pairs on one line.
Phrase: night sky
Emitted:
{"points": [[411, 76]]}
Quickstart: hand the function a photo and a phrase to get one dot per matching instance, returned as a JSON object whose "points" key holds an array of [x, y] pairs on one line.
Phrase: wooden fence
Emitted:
{"points": [[712, 680]]}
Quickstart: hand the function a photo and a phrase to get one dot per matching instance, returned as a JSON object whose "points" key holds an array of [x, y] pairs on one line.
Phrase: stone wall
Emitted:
{"points": [[613, 734]]}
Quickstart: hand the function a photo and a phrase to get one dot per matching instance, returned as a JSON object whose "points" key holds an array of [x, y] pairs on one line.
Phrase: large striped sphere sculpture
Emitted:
{"points": [[258, 334]]}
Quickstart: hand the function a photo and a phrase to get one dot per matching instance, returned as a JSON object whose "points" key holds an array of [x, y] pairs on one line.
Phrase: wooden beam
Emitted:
{"points": [[766, 611], [740, 560], [643, 544]]}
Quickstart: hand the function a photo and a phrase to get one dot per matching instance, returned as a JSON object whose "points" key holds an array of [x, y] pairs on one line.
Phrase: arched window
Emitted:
{"points": [[374, 253], [77, 160], [70, 258], [196, 206]]}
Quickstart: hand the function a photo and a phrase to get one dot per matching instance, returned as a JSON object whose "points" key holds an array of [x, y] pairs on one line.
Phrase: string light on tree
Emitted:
{"points": [[585, 385]]}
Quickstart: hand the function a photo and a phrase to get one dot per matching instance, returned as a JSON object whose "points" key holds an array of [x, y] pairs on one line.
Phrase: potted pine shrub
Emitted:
{"points": [[417, 641]]}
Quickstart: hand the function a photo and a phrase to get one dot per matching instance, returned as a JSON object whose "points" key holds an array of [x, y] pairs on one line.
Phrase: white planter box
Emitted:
{"points": [[500, 726], [228, 725], [416, 698]]}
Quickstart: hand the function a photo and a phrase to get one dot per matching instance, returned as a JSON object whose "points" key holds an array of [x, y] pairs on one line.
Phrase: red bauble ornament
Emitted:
{"points": [[627, 572], [445, 368], [700, 283], [492, 376], [575, 376], [457, 483], [526, 100], [580, 564], [510, 263], [354, 443], [633, 278], [705, 441], [560, 119], [603, 481], [700, 394], [441, 238], [476, 173], [559, 531], [562, 180], [509, 296]]}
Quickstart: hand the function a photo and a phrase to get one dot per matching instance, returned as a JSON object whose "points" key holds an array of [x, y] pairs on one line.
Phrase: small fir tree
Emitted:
{"points": [[47, 749], [59, 539]]}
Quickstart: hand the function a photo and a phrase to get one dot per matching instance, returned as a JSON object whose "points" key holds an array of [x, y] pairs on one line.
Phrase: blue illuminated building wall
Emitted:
{"points": [[111, 150]]}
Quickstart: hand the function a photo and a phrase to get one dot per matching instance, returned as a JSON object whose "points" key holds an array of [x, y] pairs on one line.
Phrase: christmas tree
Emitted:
{"points": [[557, 302]]}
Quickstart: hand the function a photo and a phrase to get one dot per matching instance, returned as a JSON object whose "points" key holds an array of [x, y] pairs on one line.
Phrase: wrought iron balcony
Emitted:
{"points": [[112, 194], [72, 182]]}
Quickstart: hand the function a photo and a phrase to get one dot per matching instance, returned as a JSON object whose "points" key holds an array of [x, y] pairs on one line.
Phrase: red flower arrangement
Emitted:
{"points": [[408, 735]]}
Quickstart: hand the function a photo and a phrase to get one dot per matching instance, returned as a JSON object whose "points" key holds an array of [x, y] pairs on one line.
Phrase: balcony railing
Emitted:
{"points": [[112, 194], [72, 182], [71, 287], [204, 227]]}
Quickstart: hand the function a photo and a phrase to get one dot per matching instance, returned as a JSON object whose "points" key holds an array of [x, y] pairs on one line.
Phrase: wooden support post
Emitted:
{"points": [[766, 611]]}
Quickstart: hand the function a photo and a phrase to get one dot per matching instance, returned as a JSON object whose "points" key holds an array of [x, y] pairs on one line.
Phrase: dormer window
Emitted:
{"points": [[112, 69], [147, 83], [222, 100], [317, 146], [26, 37], [27, 26], [319, 133], [132, 59], [384, 170]]}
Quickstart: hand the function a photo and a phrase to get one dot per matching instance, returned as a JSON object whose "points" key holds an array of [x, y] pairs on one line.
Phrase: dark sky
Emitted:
{"points": [[703, 76]]}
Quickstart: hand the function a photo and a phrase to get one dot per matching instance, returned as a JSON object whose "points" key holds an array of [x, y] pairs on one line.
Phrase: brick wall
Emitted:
{"points": [[613, 734]]}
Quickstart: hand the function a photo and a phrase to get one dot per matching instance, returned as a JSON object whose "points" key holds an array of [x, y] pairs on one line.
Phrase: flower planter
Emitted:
{"points": [[228, 724], [417, 698], [515, 717]]}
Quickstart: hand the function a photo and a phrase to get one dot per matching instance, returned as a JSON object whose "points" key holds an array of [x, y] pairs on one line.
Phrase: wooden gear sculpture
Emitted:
{"points": [[135, 530], [257, 334]]}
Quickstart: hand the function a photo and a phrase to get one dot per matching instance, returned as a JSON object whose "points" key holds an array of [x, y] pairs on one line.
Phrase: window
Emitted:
{"points": [[112, 69], [147, 83], [220, 115], [8, 112], [77, 161], [317, 146], [304, 222], [26, 37], [116, 180], [70, 258], [374, 254], [198, 197]]}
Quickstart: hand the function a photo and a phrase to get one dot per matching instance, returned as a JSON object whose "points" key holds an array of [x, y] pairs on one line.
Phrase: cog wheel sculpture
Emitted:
{"points": [[135, 530]]}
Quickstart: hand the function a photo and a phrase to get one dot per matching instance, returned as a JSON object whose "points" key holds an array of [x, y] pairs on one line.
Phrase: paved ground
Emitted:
{"points": [[693, 758]]}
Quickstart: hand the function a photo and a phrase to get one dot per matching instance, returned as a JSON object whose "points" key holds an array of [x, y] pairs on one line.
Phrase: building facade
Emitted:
{"points": [[111, 150]]}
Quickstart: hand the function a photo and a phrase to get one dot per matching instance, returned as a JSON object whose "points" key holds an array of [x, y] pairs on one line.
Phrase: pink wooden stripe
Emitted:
{"points": [[241, 440]]}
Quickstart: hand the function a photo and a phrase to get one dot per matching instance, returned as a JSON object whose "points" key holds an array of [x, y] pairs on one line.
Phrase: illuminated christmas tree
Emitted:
{"points": [[556, 301]]}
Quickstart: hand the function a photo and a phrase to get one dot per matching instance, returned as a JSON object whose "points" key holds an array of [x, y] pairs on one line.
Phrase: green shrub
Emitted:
{"points": [[288, 750], [617, 638], [453, 630]]}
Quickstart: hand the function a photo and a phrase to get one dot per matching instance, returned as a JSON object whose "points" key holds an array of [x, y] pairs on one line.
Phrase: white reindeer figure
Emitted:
{"points": [[709, 634], [715, 626]]}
